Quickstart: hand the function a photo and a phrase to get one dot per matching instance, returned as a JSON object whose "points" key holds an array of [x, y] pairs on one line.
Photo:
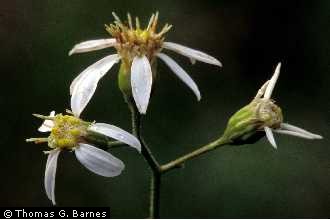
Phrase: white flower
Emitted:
{"points": [[137, 47], [284, 128], [69, 132]]}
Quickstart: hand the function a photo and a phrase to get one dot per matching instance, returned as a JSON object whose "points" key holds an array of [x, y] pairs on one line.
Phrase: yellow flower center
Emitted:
{"points": [[67, 131], [134, 41]]}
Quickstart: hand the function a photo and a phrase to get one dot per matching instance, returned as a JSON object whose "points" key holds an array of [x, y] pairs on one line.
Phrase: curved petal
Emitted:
{"points": [[47, 125], [286, 126], [50, 174], [270, 136], [116, 133], [141, 81], [94, 67], [181, 74], [92, 45], [75, 80], [84, 86], [262, 90], [99, 161], [191, 53], [272, 82]]}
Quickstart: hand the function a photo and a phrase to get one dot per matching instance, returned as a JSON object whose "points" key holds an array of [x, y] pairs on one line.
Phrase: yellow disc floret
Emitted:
{"points": [[67, 132], [135, 41]]}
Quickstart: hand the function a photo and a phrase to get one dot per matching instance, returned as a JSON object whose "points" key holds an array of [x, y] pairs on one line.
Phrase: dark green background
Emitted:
{"points": [[249, 37]]}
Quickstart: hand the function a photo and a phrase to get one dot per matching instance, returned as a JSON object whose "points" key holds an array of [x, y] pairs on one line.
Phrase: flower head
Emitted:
{"points": [[262, 116], [137, 49], [136, 41], [68, 132]]}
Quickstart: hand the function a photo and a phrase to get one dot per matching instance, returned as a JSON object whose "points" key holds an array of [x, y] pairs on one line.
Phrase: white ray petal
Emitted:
{"points": [[141, 81], [99, 65], [84, 87], [181, 74], [192, 61], [92, 45], [75, 80], [99, 161], [286, 126], [47, 125], [270, 136], [262, 90], [272, 82], [293, 133], [50, 174], [191, 53], [116, 133]]}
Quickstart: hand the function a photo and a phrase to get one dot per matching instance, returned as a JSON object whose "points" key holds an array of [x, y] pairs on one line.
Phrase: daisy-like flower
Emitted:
{"points": [[69, 132], [137, 49], [262, 114]]}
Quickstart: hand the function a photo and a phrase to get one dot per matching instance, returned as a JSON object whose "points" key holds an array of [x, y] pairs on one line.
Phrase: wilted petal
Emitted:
{"points": [[272, 82], [285, 126], [181, 74], [270, 136], [50, 174], [293, 133], [262, 90], [191, 53], [141, 81], [85, 85], [92, 45], [47, 125], [116, 133], [99, 161]]}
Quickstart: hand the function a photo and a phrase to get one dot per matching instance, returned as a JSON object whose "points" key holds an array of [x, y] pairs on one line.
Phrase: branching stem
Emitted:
{"points": [[152, 162], [177, 163], [158, 170]]}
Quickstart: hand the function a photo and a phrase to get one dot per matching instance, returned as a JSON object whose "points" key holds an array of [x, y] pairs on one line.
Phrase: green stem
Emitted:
{"points": [[177, 163], [145, 150], [152, 162], [155, 195], [154, 166]]}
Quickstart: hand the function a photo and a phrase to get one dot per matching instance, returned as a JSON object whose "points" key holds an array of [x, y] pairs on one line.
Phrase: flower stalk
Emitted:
{"points": [[177, 163], [155, 179]]}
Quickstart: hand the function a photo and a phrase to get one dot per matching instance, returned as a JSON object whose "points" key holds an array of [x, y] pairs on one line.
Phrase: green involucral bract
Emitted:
{"points": [[245, 126], [97, 139], [124, 77]]}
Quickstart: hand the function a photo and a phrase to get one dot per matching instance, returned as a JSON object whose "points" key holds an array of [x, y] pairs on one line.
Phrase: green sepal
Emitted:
{"points": [[242, 127], [124, 79], [97, 139]]}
